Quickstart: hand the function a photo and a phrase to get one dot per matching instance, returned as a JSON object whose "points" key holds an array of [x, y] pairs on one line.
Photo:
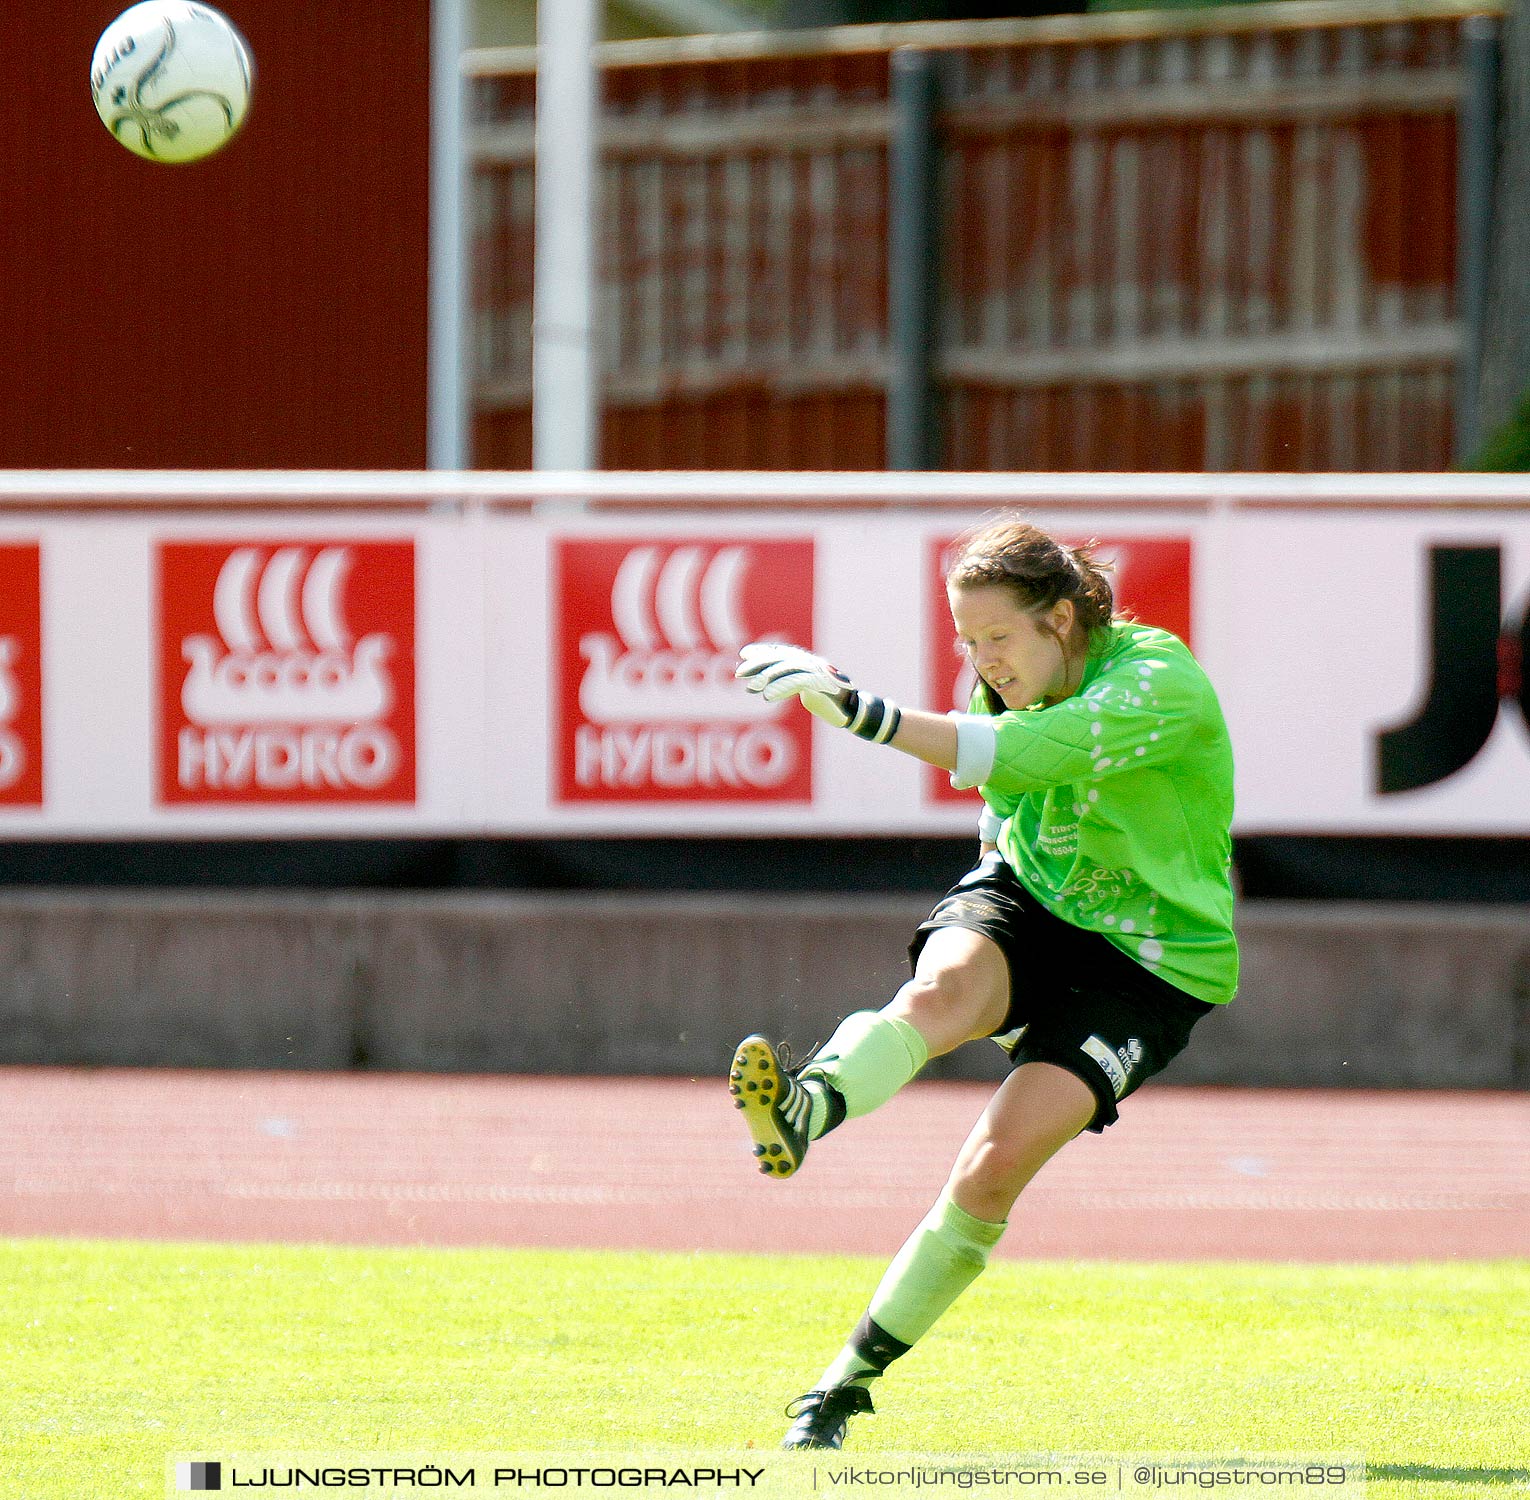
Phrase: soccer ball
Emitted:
{"points": [[171, 80]]}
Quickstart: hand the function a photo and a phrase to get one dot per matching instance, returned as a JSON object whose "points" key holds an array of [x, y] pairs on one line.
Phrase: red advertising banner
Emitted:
{"points": [[21, 749], [1151, 579], [286, 672], [648, 632]]}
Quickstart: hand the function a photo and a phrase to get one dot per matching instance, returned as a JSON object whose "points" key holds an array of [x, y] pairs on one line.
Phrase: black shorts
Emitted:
{"points": [[1076, 1000]]}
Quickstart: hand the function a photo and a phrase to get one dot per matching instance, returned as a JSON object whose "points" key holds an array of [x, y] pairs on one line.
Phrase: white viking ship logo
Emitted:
{"points": [[662, 705], [695, 610], [274, 672], [13, 758], [306, 695]]}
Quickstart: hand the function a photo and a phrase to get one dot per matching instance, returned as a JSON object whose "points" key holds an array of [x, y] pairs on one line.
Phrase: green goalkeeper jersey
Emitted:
{"points": [[1117, 805]]}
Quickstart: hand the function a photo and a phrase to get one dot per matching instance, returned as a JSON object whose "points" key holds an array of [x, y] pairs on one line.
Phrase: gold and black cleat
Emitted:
{"points": [[775, 1105]]}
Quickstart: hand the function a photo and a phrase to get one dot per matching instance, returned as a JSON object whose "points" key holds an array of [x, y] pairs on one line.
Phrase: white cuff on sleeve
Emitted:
{"points": [[976, 745], [989, 825]]}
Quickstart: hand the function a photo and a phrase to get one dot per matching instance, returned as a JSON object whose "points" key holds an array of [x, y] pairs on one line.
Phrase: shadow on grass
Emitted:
{"points": [[1439, 1475]]}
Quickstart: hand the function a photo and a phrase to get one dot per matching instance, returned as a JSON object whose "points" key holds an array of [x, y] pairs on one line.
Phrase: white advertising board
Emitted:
{"points": [[624, 717], [252, 676], [1371, 672], [556, 670]]}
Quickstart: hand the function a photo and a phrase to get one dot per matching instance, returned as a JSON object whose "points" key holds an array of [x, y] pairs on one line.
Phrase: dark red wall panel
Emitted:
{"points": [[264, 308]]}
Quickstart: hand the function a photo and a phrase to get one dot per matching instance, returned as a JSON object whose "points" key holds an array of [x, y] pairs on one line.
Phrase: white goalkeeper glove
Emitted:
{"points": [[777, 672]]}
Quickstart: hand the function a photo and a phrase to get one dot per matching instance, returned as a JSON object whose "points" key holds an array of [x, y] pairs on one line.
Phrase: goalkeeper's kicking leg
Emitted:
{"points": [[959, 992]]}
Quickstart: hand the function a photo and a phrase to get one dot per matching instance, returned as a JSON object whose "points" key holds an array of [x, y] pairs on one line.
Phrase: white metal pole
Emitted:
{"points": [[447, 444], [564, 369]]}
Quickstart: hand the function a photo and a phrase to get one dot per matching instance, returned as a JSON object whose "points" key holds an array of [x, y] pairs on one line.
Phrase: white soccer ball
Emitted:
{"points": [[171, 79]]}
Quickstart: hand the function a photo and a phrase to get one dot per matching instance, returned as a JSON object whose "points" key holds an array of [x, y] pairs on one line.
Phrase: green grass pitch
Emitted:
{"points": [[119, 1355]]}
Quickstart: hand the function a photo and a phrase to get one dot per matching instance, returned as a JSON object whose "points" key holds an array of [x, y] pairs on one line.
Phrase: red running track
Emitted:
{"points": [[447, 1160]]}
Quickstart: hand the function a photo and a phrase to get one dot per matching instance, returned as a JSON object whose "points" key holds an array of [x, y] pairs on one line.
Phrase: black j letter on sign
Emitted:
{"points": [[1475, 664]]}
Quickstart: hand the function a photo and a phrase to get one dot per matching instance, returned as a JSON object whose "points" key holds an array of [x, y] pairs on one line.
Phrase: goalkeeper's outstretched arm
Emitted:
{"points": [[777, 671]]}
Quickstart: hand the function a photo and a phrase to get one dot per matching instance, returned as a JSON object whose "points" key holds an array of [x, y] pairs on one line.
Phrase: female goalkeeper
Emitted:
{"points": [[1094, 932]]}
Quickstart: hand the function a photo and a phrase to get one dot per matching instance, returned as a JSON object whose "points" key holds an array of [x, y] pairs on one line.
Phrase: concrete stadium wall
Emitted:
{"points": [[1341, 994]]}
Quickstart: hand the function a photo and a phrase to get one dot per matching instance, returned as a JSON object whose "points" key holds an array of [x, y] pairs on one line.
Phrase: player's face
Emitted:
{"points": [[1013, 651]]}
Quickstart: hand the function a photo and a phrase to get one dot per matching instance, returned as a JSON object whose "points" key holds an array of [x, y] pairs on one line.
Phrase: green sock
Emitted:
{"points": [[868, 1059], [937, 1263]]}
